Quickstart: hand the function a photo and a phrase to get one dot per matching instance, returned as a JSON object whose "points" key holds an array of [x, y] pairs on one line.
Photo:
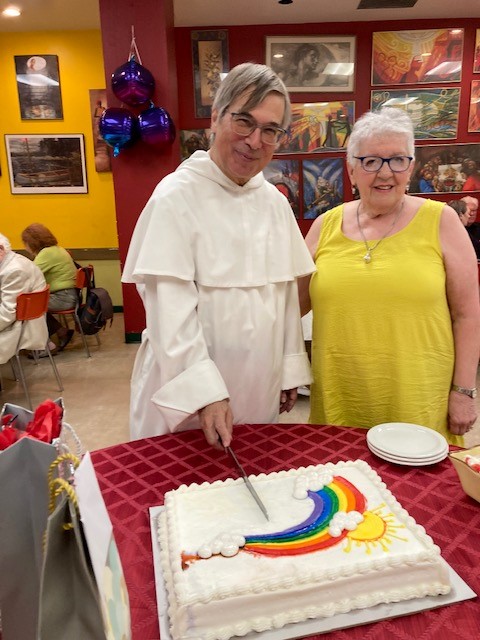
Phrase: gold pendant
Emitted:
{"points": [[367, 257]]}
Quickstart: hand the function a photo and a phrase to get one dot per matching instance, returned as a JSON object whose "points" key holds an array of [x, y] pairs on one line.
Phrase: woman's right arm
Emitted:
{"points": [[304, 283]]}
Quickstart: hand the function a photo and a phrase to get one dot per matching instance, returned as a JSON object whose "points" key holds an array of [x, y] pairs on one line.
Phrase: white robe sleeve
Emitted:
{"points": [[296, 366], [189, 379]]}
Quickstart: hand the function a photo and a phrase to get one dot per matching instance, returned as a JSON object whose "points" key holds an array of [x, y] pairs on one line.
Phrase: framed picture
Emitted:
{"points": [[192, 140], [322, 185], [413, 57], [38, 84], [446, 168], [434, 112], [46, 163], [210, 60], [318, 127], [98, 104], [474, 111], [285, 175], [476, 60], [313, 63]]}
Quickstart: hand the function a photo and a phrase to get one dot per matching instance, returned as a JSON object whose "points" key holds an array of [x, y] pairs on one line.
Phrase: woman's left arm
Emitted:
{"points": [[463, 300]]}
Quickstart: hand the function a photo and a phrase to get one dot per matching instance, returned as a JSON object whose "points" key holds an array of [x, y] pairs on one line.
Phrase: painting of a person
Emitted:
{"points": [[470, 170], [308, 63]]}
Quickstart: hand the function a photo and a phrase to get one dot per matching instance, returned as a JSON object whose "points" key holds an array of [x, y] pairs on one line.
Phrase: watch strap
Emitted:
{"points": [[467, 392]]}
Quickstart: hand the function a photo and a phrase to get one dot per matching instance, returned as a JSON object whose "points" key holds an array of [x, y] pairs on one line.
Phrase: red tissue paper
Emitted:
{"points": [[45, 425]]}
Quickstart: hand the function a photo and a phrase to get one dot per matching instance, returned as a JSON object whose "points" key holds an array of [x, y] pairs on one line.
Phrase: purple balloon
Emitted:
{"points": [[119, 128], [156, 126], [132, 83]]}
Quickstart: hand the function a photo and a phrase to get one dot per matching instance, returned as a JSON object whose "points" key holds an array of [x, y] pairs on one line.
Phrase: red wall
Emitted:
{"points": [[248, 44]]}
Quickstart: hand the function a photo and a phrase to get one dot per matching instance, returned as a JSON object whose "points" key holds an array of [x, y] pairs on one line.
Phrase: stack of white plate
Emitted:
{"points": [[408, 444]]}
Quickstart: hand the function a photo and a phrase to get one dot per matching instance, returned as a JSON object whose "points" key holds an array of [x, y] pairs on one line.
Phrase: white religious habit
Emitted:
{"points": [[216, 265]]}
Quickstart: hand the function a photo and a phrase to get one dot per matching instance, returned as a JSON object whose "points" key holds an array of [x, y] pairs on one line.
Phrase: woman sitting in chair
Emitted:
{"points": [[17, 275], [60, 273]]}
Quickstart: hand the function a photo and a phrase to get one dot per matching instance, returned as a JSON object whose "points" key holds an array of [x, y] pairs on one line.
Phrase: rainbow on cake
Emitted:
{"points": [[337, 540]]}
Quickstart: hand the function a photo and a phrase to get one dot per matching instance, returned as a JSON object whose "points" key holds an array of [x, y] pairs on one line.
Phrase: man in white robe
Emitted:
{"points": [[18, 275], [216, 254]]}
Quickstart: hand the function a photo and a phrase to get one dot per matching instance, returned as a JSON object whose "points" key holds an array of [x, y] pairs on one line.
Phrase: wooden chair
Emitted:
{"points": [[81, 282], [30, 306]]}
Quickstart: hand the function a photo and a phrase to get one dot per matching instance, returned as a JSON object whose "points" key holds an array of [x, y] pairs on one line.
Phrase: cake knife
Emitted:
{"points": [[255, 495]]}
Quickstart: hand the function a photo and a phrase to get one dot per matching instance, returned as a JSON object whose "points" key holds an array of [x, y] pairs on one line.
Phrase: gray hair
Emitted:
{"points": [[5, 243], [258, 77], [386, 121]]}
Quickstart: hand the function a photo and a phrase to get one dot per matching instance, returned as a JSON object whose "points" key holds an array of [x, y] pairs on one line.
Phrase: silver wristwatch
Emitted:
{"points": [[472, 393]]}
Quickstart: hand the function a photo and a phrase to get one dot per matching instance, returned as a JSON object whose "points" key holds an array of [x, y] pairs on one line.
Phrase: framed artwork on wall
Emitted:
{"points": [[446, 168], [319, 127], [413, 57], [285, 175], [98, 104], [313, 63], [434, 112], [476, 59], [474, 111], [46, 163], [192, 140], [38, 85], [322, 185], [210, 60]]}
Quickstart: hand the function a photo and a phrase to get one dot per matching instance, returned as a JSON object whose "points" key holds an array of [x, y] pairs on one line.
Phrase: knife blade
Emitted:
{"points": [[249, 485]]}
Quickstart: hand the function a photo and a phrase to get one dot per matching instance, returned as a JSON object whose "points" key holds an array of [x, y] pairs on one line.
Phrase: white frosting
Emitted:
{"points": [[342, 520], [220, 597]]}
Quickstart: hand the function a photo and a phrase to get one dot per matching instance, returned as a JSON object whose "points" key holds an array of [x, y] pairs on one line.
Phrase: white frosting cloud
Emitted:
{"points": [[225, 544], [343, 520], [313, 480]]}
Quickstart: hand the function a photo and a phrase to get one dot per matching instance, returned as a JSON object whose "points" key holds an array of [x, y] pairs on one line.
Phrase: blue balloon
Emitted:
{"points": [[156, 127], [132, 83], [119, 128]]}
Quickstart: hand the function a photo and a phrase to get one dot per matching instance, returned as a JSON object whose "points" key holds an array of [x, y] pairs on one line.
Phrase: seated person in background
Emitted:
{"points": [[60, 273], [461, 208], [473, 227], [18, 275]]}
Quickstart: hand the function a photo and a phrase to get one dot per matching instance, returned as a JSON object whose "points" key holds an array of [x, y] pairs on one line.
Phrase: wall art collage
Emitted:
{"points": [[418, 71]]}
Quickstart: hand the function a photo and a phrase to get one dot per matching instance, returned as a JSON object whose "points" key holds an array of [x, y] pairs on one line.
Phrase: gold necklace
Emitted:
{"points": [[368, 256]]}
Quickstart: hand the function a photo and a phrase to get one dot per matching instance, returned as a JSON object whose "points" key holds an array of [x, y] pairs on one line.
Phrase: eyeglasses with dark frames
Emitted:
{"points": [[244, 125], [373, 164]]}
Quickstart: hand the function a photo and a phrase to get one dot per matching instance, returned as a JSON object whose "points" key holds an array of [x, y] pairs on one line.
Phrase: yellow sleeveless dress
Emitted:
{"points": [[382, 341]]}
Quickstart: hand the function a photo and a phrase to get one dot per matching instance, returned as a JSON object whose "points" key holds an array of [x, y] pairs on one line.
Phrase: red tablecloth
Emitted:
{"points": [[134, 476]]}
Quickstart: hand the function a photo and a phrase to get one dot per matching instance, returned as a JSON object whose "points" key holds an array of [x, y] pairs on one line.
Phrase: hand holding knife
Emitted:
{"points": [[247, 482]]}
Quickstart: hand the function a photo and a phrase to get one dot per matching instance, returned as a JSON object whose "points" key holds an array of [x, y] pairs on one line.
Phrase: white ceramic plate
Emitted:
{"points": [[406, 440], [426, 459], [409, 462]]}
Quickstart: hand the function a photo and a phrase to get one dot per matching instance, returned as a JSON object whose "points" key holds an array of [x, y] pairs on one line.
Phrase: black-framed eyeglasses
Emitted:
{"points": [[372, 164], [244, 125]]}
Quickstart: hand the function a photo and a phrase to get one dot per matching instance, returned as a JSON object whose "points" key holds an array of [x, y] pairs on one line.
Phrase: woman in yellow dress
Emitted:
{"points": [[396, 314]]}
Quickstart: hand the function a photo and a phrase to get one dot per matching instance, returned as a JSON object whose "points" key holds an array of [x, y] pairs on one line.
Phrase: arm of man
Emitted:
{"points": [[189, 379], [12, 284], [311, 240], [463, 300]]}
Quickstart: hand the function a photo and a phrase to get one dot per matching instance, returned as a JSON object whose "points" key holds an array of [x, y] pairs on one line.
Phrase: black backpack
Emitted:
{"points": [[97, 309]]}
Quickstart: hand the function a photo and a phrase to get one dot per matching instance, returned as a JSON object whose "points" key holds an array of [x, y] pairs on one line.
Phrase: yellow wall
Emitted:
{"points": [[77, 220]]}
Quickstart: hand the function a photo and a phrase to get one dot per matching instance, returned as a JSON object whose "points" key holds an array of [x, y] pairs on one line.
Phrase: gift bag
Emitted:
{"points": [[83, 592], [24, 511]]}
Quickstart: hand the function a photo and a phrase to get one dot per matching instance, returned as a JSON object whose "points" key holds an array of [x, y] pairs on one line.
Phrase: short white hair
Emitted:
{"points": [[5, 243]]}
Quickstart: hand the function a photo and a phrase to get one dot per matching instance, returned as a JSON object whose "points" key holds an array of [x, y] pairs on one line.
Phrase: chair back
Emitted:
{"points": [[81, 279], [33, 304]]}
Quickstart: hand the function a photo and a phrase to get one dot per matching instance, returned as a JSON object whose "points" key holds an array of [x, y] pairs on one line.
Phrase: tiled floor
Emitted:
{"points": [[97, 389]]}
